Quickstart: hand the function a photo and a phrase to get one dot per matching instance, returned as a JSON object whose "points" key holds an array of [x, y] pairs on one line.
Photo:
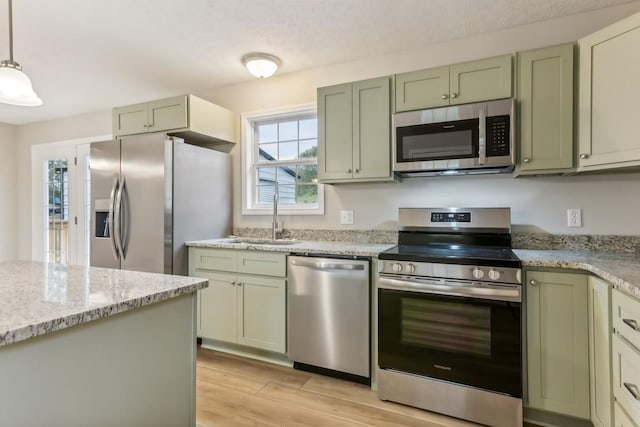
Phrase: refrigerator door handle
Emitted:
{"points": [[112, 233], [124, 220], [117, 225]]}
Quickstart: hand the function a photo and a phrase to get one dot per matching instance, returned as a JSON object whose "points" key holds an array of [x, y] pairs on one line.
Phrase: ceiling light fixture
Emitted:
{"points": [[261, 65], [15, 85]]}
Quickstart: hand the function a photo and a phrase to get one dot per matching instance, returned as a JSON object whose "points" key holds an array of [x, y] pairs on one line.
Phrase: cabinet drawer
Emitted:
{"points": [[262, 263], [626, 377], [214, 259], [626, 317], [621, 418]]}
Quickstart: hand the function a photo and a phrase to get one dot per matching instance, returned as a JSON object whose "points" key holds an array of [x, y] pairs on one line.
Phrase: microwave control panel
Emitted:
{"points": [[498, 135]]}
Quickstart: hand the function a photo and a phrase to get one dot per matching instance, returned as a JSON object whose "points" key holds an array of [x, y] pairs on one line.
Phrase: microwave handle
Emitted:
{"points": [[482, 136]]}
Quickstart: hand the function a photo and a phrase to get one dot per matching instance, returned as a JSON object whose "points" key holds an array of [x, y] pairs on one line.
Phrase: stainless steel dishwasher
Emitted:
{"points": [[328, 302]]}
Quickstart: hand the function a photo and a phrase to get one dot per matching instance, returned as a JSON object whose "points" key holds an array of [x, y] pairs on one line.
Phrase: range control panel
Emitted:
{"points": [[450, 216], [451, 271]]}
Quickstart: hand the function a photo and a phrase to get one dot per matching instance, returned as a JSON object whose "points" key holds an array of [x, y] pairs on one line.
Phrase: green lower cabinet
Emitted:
{"points": [[245, 302], [558, 343], [600, 331]]}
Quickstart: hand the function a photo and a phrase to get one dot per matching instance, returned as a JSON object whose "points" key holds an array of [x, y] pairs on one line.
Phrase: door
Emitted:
{"points": [[545, 95], [335, 133], [600, 352], [421, 89], [557, 343], [371, 128], [481, 80], [168, 114], [104, 160], [131, 120], [262, 312], [470, 341], [146, 203], [609, 111], [218, 307]]}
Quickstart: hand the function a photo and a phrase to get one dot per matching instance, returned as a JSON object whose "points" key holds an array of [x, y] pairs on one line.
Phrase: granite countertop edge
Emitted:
{"points": [[602, 264], [307, 246], [85, 315]]}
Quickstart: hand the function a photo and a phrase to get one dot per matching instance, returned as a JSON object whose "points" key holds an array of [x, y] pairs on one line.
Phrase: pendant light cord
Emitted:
{"points": [[10, 31]]}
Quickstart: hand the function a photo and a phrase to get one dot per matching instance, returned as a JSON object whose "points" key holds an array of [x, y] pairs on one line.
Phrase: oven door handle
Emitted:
{"points": [[487, 291]]}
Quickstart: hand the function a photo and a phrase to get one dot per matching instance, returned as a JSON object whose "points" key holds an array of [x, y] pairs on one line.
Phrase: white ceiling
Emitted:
{"points": [[89, 55]]}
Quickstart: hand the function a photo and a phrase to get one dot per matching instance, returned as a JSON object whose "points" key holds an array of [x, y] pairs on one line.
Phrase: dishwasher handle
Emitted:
{"points": [[322, 265]]}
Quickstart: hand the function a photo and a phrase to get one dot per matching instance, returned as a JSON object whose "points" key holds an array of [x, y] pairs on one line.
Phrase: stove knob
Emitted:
{"points": [[411, 268], [477, 273], [494, 275], [397, 267]]}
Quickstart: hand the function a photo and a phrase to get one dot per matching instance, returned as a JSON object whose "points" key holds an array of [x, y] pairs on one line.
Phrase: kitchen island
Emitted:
{"points": [[91, 346]]}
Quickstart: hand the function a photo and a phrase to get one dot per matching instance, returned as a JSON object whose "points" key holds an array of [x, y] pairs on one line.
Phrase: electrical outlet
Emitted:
{"points": [[346, 217], [574, 217]]}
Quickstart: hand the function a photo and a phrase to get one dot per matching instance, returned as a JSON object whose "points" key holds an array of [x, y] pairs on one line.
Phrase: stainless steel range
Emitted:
{"points": [[449, 315]]}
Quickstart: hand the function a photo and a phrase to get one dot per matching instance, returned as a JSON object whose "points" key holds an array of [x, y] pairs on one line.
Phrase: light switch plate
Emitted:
{"points": [[346, 217]]}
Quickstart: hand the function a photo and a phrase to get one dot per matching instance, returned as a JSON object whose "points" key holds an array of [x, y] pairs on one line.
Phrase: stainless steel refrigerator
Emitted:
{"points": [[150, 194]]}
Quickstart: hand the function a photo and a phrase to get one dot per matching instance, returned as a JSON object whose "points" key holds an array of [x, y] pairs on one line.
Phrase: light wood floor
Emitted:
{"points": [[234, 391]]}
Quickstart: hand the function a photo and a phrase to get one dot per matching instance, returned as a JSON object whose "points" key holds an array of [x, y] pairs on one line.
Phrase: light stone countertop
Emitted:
{"points": [[38, 298], [621, 270], [302, 246]]}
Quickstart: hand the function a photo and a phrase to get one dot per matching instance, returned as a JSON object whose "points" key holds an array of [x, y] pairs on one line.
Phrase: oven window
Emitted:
{"points": [[438, 141], [447, 326]]}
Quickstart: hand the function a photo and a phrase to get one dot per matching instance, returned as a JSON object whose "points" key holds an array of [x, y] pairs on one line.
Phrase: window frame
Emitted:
{"points": [[250, 162]]}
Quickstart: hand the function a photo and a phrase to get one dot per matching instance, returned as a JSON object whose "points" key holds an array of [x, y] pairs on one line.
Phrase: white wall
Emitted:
{"points": [[537, 203], [8, 193]]}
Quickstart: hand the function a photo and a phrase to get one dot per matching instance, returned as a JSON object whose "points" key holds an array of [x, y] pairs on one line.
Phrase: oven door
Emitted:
{"points": [[463, 332]]}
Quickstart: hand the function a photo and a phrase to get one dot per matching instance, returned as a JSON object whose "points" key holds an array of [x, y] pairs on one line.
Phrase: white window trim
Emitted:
{"points": [[248, 180]]}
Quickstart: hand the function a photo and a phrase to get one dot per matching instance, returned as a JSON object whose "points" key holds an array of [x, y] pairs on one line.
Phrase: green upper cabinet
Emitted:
{"points": [[545, 104], [354, 131], [186, 116], [422, 89], [557, 343], [473, 81], [608, 98]]}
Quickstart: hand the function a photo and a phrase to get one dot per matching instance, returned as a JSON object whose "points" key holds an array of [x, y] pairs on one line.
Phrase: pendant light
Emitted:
{"points": [[15, 85], [261, 65]]}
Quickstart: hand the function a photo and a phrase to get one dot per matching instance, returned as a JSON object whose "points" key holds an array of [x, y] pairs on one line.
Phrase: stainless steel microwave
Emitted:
{"points": [[463, 139]]}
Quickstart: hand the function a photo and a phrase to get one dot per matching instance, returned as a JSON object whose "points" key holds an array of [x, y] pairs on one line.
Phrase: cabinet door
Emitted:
{"points": [[262, 312], [218, 307], [372, 129], [622, 419], [130, 120], [335, 134], [545, 95], [609, 135], [481, 80], [600, 352], [422, 89], [557, 343], [168, 114]]}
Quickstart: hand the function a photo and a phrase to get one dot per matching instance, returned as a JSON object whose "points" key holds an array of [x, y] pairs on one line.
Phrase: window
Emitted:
{"points": [[281, 157]]}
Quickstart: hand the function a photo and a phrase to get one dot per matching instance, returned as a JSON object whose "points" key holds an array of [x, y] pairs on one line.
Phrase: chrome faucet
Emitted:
{"points": [[274, 224]]}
